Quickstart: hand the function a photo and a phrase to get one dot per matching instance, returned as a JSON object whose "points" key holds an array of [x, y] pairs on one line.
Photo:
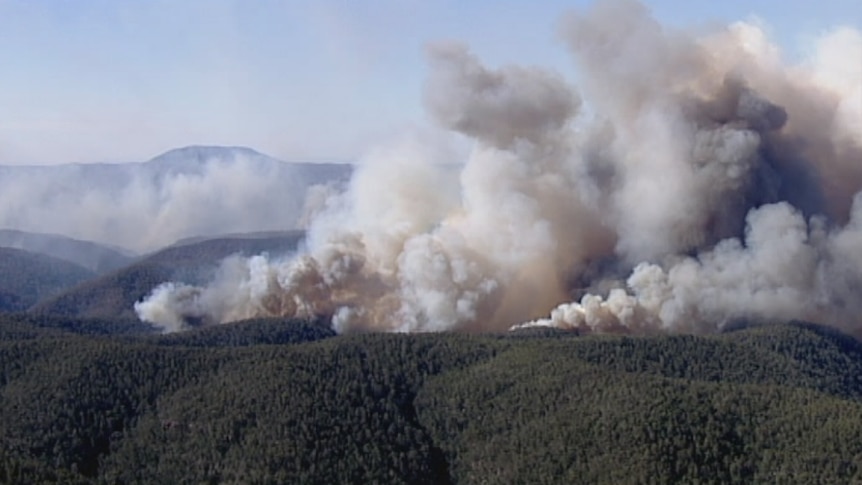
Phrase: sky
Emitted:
{"points": [[124, 80]]}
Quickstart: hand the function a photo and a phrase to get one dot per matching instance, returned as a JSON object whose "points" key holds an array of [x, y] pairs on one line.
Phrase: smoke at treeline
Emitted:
{"points": [[687, 181]]}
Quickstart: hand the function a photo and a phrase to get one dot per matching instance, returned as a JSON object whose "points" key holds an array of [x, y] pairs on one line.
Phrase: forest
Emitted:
{"points": [[280, 401], [592, 262]]}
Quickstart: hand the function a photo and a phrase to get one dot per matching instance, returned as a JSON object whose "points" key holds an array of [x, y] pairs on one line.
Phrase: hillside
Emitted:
{"points": [[26, 278], [96, 257], [113, 295], [281, 402]]}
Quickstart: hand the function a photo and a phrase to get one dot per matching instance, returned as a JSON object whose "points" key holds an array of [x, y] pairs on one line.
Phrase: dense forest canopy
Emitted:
{"points": [[277, 401]]}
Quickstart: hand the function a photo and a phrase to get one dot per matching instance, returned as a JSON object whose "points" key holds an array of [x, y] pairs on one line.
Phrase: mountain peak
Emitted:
{"points": [[202, 153]]}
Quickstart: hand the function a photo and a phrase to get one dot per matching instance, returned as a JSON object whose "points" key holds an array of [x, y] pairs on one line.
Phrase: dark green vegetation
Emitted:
{"points": [[26, 278], [272, 401], [115, 293]]}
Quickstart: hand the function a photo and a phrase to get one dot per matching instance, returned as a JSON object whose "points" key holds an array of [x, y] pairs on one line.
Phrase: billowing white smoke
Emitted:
{"points": [[783, 269], [722, 179]]}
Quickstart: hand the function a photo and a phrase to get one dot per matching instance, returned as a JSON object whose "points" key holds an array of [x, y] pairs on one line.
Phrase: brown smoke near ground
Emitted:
{"points": [[687, 182]]}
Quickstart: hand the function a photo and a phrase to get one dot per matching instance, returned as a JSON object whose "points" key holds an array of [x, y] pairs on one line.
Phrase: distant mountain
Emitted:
{"points": [[191, 158], [26, 278], [195, 159], [186, 192], [113, 295], [93, 256]]}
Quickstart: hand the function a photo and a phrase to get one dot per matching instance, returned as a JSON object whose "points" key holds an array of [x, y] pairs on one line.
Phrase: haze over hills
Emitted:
{"points": [[96, 257], [187, 192]]}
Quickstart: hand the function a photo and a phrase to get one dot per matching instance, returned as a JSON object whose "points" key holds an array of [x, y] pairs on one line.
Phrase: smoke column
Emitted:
{"points": [[687, 182]]}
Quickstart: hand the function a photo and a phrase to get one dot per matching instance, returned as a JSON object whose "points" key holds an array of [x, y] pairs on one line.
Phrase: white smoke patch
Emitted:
{"points": [[835, 70], [237, 292], [718, 177], [169, 306], [497, 108], [317, 200]]}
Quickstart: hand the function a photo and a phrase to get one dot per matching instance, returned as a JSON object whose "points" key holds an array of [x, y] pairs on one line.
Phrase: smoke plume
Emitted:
{"points": [[687, 182]]}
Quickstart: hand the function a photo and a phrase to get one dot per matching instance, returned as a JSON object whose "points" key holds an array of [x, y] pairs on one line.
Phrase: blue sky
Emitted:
{"points": [[123, 80]]}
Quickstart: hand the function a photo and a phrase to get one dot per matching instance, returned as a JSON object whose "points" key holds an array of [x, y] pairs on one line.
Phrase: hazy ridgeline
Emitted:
{"points": [[188, 192]]}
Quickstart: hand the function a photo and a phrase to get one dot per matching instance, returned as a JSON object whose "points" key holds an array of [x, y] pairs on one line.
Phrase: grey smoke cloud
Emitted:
{"points": [[688, 181]]}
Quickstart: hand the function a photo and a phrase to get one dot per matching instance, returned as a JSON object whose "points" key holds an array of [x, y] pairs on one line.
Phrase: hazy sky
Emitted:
{"points": [[116, 80]]}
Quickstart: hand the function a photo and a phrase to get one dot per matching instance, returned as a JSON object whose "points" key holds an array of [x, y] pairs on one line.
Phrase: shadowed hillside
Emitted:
{"points": [[113, 295], [93, 256], [26, 278]]}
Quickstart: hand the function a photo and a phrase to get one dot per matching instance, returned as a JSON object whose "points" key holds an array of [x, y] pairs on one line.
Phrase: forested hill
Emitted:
{"points": [[272, 401], [194, 261], [97, 258], [27, 277]]}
